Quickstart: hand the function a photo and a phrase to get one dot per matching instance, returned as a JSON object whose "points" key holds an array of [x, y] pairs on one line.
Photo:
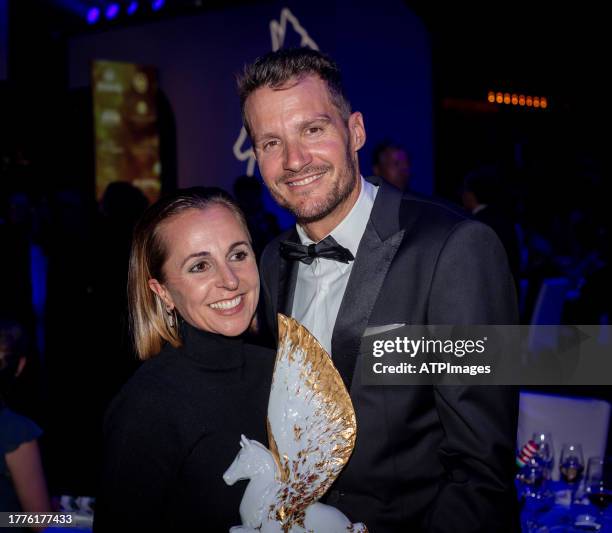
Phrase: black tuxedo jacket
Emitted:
{"points": [[435, 459]]}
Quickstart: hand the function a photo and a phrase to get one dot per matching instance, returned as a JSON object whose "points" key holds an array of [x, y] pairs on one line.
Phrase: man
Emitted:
{"points": [[391, 162], [435, 459], [481, 190]]}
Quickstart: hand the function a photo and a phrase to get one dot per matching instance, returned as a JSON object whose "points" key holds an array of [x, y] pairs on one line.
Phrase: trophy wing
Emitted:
{"points": [[311, 420]]}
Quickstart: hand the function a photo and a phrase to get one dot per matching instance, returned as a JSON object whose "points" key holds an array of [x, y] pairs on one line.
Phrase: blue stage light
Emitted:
{"points": [[112, 11], [131, 8], [93, 14], [156, 5]]}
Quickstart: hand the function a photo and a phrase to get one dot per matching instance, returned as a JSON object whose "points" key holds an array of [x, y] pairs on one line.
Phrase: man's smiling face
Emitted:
{"points": [[307, 153]]}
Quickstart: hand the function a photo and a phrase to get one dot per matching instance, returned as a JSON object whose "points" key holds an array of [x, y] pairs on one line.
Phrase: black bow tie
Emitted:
{"points": [[328, 248]]}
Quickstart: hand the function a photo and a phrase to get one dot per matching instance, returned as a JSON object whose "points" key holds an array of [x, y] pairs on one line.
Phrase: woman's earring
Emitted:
{"points": [[171, 317]]}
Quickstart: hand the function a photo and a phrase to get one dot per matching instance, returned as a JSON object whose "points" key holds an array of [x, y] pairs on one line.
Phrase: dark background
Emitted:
{"points": [[419, 70]]}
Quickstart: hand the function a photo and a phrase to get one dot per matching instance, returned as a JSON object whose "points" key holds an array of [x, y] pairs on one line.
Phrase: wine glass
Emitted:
{"points": [[598, 490], [599, 482], [535, 496], [571, 463], [546, 453]]}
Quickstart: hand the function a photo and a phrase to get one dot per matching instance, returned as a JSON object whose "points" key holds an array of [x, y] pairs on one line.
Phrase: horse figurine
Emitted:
{"points": [[312, 431], [256, 463]]}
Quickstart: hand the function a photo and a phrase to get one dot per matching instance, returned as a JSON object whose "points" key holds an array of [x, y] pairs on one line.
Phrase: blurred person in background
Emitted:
{"points": [[481, 196], [22, 480], [392, 163], [121, 206]]}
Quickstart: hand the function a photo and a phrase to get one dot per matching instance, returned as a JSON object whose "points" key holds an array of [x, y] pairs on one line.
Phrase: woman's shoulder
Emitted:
{"points": [[160, 387], [150, 391], [168, 368], [16, 429]]}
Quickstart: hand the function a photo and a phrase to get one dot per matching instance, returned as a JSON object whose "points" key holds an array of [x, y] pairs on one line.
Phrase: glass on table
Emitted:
{"points": [[571, 463], [599, 482], [598, 490], [535, 497], [546, 452]]}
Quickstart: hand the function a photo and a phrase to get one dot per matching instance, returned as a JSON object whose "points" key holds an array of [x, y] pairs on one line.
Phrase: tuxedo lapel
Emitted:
{"points": [[376, 251]]}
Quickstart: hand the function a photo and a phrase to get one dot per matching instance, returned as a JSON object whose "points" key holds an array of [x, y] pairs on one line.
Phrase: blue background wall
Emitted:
{"points": [[382, 48]]}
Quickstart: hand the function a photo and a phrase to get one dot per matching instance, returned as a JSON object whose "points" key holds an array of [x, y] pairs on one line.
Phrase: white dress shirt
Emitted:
{"points": [[320, 286]]}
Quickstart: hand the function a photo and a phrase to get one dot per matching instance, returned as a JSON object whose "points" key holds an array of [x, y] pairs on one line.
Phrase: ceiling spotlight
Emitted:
{"points": [[112, 11], [156, 5], [93, 14], [131, 8]]}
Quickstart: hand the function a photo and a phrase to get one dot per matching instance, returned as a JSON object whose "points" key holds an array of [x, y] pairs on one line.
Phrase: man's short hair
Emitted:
{"points": [[275, 69]]}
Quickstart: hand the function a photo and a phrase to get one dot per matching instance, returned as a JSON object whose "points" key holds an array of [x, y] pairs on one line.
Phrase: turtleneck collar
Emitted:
{"points": [[211, 350]]}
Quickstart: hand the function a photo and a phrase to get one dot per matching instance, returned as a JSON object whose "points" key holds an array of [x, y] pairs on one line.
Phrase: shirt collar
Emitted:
{"points": [[350, 230], [479, 208]]}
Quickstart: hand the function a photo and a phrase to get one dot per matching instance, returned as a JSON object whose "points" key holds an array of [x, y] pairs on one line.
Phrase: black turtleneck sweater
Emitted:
{"points": [[175, 428]]}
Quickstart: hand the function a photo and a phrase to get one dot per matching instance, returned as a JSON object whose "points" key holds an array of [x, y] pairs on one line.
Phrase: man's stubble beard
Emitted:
{"points": [[341, 190]]}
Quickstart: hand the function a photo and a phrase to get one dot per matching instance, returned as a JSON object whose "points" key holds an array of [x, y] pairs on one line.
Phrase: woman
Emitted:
{"points": [[175, 427], [22, 480]]}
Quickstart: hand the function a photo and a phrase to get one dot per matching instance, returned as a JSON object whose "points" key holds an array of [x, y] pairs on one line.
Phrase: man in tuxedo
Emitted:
{"points": [[435, 459]]}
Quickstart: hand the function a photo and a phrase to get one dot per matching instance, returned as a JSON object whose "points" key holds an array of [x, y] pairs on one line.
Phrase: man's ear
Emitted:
{"points": [[161, 291], [356, 130]]}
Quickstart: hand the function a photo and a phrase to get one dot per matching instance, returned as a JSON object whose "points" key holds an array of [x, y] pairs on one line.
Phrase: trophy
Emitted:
{"points": [[311, 432]]}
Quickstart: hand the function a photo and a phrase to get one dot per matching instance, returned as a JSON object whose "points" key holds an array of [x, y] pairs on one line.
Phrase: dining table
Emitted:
{"points": [[560, 507]]}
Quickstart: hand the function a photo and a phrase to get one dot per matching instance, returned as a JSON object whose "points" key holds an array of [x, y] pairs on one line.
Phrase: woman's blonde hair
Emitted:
{"points": [[150, 324]]}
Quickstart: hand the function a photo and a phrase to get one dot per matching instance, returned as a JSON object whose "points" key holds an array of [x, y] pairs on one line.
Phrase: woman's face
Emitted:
{"points": [[210, 272]]}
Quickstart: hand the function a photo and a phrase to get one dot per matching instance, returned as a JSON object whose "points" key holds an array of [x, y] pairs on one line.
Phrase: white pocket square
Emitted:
{"points": [[377, 330]]}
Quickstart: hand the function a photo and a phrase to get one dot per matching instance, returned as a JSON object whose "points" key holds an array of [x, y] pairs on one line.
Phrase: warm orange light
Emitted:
{"points": [[517, 99]]}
